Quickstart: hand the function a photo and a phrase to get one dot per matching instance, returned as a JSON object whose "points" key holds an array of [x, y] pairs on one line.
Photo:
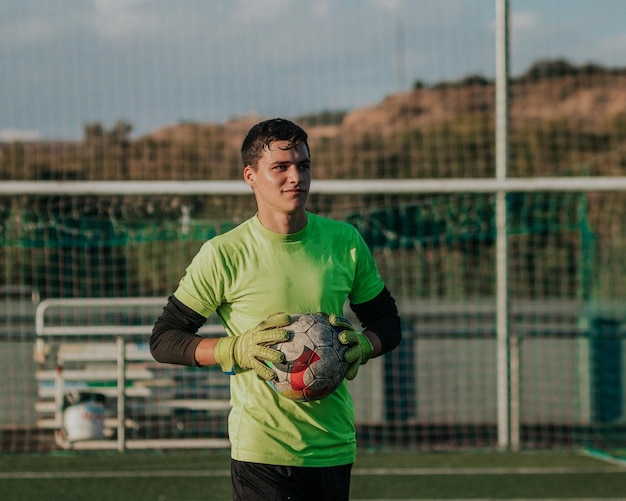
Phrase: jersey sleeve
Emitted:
{"points": [[201, 288], [367, 281]]}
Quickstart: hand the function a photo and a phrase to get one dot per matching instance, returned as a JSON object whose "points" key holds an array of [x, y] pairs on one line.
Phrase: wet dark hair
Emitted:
{"points": [[263, 134]]}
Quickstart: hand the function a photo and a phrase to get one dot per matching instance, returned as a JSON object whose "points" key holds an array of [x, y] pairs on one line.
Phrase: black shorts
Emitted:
{"points": [[266, 482]]}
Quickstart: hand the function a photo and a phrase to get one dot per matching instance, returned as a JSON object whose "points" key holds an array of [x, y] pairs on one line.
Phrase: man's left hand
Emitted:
{"points": [[360, 348]]}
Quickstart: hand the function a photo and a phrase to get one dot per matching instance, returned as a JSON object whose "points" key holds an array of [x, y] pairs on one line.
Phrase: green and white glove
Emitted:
{"points": [[249, 350], [360, 348]]}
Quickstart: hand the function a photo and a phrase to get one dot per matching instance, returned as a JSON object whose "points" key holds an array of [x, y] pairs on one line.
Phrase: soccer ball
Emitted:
{"points": [[314, 363]]}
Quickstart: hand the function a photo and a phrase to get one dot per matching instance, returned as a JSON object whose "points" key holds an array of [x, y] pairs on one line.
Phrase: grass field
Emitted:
{"points": [[204, 475]]}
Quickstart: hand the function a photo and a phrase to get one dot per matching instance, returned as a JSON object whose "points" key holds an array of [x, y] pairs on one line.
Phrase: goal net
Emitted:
{"points": [[95, 257], [99, 218]]}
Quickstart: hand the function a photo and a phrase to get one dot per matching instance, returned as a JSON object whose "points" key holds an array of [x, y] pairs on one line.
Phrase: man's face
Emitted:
{"points": [[282, 178]]}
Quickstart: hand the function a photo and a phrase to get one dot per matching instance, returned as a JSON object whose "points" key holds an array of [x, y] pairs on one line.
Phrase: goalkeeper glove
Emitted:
{"points": [[360, 348], [249, 350]]}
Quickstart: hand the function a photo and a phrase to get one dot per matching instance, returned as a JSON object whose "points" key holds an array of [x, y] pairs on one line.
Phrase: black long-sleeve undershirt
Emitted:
{"points": [[174, 336], [380, 315]]}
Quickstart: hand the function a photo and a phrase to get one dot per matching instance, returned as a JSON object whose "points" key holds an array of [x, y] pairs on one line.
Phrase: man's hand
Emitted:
{"points": [[360, 348], [249, 350]]}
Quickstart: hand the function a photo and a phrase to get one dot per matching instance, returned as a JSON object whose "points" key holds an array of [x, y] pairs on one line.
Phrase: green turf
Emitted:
{"points": [[161, 476]]}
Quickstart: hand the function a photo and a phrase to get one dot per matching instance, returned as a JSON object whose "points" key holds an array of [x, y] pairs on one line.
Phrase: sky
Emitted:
{"points": [[152, 63]]}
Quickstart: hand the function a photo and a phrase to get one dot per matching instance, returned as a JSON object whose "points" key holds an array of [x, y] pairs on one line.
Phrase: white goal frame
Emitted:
{"points": [[331, 187], [508, 353]]}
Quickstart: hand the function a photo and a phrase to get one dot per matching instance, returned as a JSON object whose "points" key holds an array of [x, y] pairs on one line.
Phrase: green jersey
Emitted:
{"points": [[250, 272]]}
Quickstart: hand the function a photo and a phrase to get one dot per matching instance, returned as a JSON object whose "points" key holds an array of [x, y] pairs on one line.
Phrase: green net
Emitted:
{"points": [[436, 253]]}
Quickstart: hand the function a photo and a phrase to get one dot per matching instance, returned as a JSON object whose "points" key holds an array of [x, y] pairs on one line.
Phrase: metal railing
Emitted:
{"points": [[71, 326]]}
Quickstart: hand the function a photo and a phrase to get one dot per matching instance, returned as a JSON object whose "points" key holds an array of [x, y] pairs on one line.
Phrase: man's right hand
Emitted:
{"points": [[248, 351]]}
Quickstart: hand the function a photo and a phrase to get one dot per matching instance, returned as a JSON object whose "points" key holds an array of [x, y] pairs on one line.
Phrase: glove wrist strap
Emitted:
{"points": [[224, 354], [367, 347]]}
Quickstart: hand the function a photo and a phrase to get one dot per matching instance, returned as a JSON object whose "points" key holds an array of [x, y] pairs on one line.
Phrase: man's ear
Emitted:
{"points": [[249, 176]]}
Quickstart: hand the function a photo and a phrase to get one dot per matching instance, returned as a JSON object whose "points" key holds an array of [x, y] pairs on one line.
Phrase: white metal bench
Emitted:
{"points": [[115, 362]]}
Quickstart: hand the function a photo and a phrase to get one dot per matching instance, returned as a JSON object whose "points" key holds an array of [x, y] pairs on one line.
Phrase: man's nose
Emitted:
{"points": [[294, 174]]}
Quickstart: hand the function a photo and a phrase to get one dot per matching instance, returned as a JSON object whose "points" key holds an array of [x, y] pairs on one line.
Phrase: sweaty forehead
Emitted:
{"points": [[285, 149]]}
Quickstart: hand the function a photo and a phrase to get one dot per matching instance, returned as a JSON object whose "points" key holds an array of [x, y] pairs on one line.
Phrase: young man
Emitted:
{"points": [[284, 259]]}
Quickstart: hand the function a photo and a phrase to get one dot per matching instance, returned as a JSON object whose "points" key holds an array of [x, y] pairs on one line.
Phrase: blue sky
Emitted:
{"points": [[65, 63]]}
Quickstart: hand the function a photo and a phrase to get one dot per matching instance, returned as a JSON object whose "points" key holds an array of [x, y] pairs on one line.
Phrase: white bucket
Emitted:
{"points": [[84, 419]]}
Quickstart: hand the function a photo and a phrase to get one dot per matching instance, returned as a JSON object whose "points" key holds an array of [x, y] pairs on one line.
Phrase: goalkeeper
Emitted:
{"points": [[283, 259]]}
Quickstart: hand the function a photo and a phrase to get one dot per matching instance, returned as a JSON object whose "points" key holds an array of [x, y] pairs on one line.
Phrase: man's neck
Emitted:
{"points": [[283, 223]]}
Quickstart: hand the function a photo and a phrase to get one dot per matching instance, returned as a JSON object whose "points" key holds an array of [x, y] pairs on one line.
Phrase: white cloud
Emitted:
{"points": [[9, 135], [391, 5], [613, 50], [28, 31], [120, 18], [525, 21], [35, 27], [261, 11]]}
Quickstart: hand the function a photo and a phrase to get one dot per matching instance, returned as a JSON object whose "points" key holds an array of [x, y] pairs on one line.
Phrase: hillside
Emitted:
{"points": [[589, 103], [558, 124], [589, 114]]}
